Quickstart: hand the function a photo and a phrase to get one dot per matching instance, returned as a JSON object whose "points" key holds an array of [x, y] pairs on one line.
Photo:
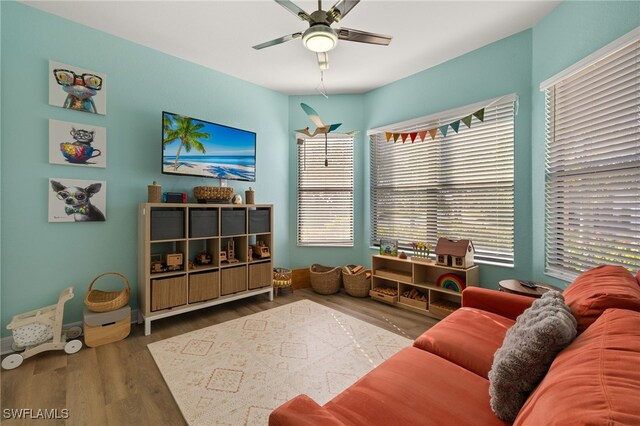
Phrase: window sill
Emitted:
{"points": [[476, 261]]}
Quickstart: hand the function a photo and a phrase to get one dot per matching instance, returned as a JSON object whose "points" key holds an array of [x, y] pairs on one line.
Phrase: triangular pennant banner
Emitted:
{"points": [[479, 114]]}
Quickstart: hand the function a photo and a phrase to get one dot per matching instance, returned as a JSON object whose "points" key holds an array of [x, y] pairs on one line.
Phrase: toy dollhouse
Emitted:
{"points": [[457, 254]]}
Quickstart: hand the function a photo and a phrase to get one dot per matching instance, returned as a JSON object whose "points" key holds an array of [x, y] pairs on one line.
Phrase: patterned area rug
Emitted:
{"points": [[237, 372]]}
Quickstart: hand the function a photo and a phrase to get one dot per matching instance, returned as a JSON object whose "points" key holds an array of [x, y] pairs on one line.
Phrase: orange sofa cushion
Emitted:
{"points": [[415, 387], [468, 337], [302, 411], [596, 380], [506, 304], [599, 289]]}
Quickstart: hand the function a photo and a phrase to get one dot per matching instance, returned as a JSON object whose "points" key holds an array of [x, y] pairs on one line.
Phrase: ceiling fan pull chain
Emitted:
{"points": [[320, 87]]}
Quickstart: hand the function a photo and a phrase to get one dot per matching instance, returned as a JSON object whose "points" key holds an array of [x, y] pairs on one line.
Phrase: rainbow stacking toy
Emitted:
{"points": [[451, 282]]}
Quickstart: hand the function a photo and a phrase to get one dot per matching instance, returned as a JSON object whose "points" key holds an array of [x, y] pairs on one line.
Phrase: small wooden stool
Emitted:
{"points": [[101, 328]]}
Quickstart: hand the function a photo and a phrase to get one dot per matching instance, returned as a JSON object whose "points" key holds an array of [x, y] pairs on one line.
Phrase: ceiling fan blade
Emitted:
{"points": [[323, 60], [287, 4], [277, 41], [340, 10], [363, 36]]}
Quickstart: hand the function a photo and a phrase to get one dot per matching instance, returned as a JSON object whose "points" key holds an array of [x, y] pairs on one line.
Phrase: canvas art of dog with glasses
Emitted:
{"points": [[77, 201]]}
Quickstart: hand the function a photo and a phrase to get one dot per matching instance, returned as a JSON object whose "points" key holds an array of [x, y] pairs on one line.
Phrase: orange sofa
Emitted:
{"points": [[442, 378]]}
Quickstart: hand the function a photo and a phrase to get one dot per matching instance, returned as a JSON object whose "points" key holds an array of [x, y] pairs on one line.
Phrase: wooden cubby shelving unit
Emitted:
{"points": [[165, 228], [407, 274]]}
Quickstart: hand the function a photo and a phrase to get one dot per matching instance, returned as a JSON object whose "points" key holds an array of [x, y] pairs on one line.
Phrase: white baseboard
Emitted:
{"points": [[6, 342]]}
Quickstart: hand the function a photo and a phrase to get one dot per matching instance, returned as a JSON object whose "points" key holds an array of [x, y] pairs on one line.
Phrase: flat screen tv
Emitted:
{"points": [[192, 147]]}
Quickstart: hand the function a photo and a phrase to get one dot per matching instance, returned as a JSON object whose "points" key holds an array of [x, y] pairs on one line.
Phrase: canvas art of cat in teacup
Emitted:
{"points": [[77, 144]]}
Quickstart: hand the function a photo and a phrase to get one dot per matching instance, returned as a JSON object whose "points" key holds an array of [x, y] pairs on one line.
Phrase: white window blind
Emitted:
{"points": [[593, 165], [458, 186], [325, 193]]}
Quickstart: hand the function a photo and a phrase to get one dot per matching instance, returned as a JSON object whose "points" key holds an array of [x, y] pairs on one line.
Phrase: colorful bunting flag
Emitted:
{"points": [[422, 134], [479, 114]]}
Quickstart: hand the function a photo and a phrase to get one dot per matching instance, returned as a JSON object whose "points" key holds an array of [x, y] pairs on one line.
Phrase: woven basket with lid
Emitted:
{"points": [[213, 192]]}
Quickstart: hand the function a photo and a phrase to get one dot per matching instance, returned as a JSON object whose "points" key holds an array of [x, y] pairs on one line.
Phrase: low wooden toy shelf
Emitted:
{"points": [[188, 232], [395, 277]]}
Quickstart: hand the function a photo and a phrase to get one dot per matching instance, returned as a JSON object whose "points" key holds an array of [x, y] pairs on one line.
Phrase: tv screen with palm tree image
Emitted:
{"points": [[192, 147]]}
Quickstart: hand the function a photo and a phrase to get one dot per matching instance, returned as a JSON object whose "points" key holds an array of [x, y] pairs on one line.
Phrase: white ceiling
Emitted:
{"points": [[219, 35]]}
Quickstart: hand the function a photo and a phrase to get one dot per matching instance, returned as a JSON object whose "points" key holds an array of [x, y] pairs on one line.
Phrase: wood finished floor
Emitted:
{"points": [[119, 383]]}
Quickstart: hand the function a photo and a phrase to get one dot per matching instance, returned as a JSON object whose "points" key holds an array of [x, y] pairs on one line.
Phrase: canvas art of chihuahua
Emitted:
{"points": [[78, 201]]}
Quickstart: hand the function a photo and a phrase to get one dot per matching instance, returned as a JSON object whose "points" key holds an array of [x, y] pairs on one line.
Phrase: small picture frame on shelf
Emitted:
{"points": [[388, 247]]}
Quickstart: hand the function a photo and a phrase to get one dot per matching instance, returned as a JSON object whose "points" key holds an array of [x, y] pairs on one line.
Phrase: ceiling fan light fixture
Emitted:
{"points": [[320, 38]]}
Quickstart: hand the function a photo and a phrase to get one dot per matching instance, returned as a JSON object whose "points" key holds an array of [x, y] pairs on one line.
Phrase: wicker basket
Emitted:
{"points": [[358, 284], [213, 192], [105, 301], [325, 279], [281, 277]]}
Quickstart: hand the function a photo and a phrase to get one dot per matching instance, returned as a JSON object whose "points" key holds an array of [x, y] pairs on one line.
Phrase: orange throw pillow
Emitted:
{"points": [[599, 289]]}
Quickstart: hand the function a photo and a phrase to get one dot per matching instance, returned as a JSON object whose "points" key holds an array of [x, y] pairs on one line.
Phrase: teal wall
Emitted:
{"points": [[41, 258], [348, 110], [572, 31], [498, 69]]}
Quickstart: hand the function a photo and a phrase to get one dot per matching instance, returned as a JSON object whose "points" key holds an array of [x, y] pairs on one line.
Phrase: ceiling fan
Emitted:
{"points": [[320, 37]]}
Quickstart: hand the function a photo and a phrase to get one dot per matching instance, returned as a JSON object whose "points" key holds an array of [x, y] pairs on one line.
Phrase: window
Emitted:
{"points": [[325, 193], [592, 173], [460, 186]]}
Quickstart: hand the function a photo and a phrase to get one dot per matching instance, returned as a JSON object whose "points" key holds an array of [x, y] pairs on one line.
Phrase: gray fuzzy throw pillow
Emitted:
{"points": [[527, 352]]}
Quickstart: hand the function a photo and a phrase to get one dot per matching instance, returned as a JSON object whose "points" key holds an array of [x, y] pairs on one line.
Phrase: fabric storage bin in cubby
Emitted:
{"points": [[233, 280], [167, 224], [204, 286], [260, 275], [203, 223], [168, 292], [259, 221], [232, 222]]}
